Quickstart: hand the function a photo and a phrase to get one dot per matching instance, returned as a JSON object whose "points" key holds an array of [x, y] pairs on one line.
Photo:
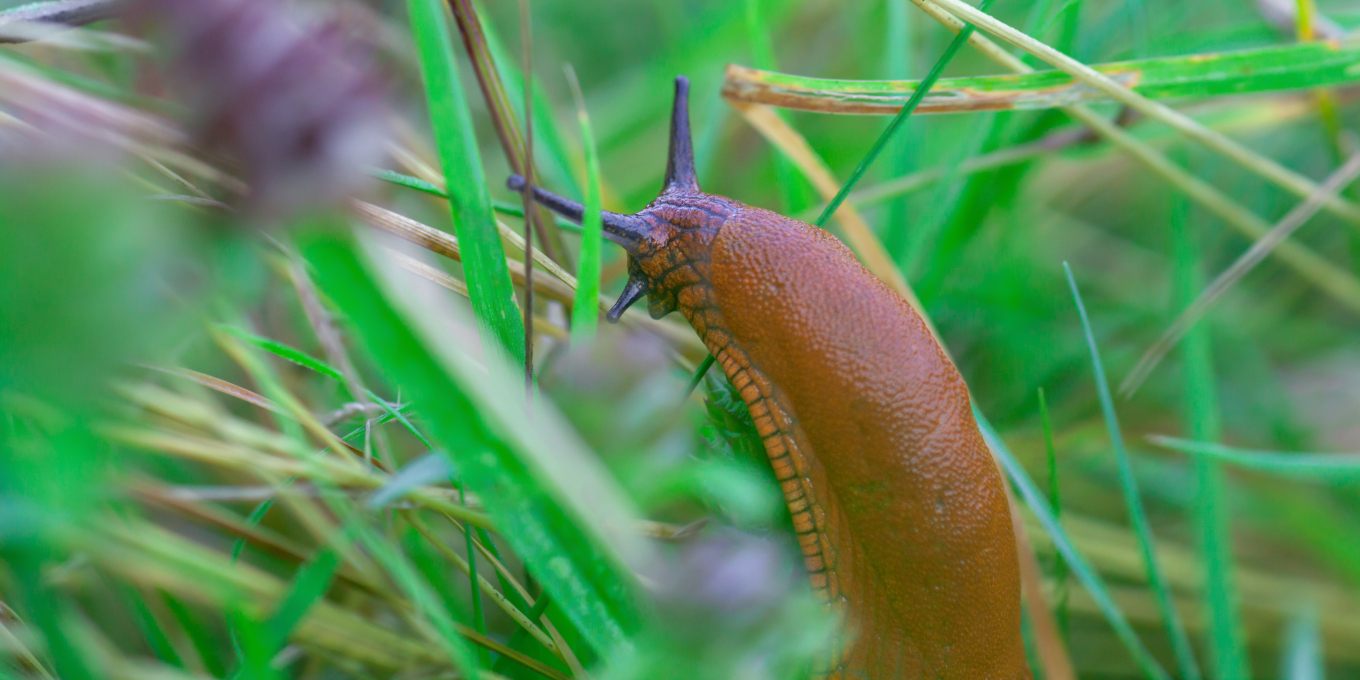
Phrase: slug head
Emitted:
{"points": [[668, 241]]}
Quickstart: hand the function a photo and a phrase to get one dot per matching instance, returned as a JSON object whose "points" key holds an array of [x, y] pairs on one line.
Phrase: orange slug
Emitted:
{"points": [[899, 509]]}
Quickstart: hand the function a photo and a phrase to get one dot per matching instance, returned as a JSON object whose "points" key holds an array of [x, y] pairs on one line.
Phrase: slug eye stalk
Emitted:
{"points": [[644, 233]]}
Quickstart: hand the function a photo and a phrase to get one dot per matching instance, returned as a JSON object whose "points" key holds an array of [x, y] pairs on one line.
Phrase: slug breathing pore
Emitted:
{"points": [[899, 509]]}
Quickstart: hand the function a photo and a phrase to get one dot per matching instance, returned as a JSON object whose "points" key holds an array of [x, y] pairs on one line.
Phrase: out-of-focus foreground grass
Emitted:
{"points": [[262, 345]]}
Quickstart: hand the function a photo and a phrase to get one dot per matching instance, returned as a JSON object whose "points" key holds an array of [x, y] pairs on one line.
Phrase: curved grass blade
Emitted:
{"points": [[1082, 570], [1060, 568], [1227, 641], [1248, 159], [281, 350], [309, 585], [305, 360], [1330, 467], [487, 275], [1194, 76], [793, 190], [397, 178], [585, 313], [1335, 281], [916, 97], [557, 510], [1180, 641]]}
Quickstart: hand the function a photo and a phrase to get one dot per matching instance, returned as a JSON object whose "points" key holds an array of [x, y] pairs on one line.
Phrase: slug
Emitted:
{"points": [[899, 509]]}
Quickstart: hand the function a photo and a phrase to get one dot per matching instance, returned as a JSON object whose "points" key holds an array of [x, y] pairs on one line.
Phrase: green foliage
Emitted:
{"points": [[488, 279], [1134, 500], [402, 509]]}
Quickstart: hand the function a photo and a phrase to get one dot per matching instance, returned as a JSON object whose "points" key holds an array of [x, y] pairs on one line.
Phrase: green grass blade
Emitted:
{"points": [[551, 167], [1227, 641], [150, 628], [1082, 570], [904, 154], [1180, 641], [1331, 467], [534, 498], [204, 642], [427, 603], [417, 184], [794, 192], [1060, 568], [585, 312], [1196, 76], [281, 350], [487, 275], [309, 585], [397, 178], [916, 98], [305, 360]]}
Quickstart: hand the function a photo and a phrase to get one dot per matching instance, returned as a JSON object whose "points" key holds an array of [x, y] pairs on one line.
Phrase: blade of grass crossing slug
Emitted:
{"points": [[794, 192], [1082, 570], [958, 201], [964, 201], [1055, 500], [1227, 642], [1180, 641], [535, 502], [488, 277], [900, 118], [585, 312]]}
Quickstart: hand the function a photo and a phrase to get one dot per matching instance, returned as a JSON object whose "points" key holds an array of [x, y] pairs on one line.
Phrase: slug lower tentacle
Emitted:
{"points": [[899, 510]]}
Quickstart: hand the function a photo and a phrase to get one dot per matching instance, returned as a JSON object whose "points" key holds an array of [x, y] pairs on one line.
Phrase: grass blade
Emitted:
{"points": [[1193, 76], [1180, 641], [1338, 283], [1331, 467], [552, 509], [1060, 567], [310, 584], [793, 190], [488, 277], [1191, 129], [1082, 570], [896, 124], [1227, 641], [585, 312]]}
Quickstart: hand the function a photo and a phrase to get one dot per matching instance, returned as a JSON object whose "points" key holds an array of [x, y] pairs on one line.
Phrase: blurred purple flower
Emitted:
{"points": [[727, 578], [297, 109]]}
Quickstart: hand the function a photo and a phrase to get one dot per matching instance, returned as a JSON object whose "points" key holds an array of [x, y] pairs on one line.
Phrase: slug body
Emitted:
{"points": [[899, 509]]}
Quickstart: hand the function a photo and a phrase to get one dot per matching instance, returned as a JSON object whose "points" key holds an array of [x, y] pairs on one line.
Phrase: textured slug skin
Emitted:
{"points": [[900, 512], [899, 509], [908, 526]]}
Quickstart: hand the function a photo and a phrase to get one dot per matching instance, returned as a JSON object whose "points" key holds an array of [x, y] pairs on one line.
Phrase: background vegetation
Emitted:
{"points": [[262, 352]]}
